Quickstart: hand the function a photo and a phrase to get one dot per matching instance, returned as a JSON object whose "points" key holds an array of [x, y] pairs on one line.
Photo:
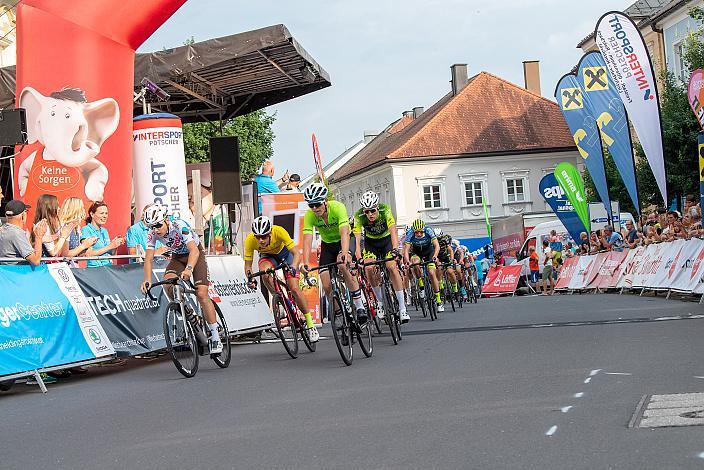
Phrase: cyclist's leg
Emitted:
{"points": [[355, 292], [453, 278], [202, 281], [397, 284], [265, 262]]}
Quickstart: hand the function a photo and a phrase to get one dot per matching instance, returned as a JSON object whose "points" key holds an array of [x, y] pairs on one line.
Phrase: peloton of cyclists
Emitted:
{"points": [[275, 246], [380, 242], [421, 245], [187, 261]]}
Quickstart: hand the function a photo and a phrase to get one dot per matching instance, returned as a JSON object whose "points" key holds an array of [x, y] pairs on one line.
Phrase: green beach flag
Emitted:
{"points": [[571, 183], [486, 217]]}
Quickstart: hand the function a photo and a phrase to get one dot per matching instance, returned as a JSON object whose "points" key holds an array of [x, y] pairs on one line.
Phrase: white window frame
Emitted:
{"points": [[680, 70], [482, 179], [431, 181], [516, 175]]}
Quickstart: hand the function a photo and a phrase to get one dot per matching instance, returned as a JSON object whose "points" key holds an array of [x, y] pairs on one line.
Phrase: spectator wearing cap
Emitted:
{"points": [[14, 242], [136, 239], [293, 182]]}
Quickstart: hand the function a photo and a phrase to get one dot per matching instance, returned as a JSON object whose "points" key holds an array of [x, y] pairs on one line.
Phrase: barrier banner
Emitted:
{"points": [[608, 270], [603, 103], [45, 320], [555, 196], [690, 267], [629, 267], [133, 322], [569, 267], [582, 124], [664, 271], [649, 264], [631, 70], [507, 236], [244, 309], [502, 279], [585, 271]]}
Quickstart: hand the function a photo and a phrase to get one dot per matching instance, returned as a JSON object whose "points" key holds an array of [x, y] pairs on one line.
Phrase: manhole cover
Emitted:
{"points": [[660, 411]]}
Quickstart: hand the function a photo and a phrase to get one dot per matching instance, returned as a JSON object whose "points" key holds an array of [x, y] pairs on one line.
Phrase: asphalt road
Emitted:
{"points": [[524, 383]]}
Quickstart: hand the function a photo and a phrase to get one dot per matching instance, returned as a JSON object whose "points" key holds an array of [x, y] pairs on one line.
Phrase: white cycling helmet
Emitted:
{"points": [[438, 232], [455, 243], [155, 214], [315, 193], [369, 200], [261, 225]]}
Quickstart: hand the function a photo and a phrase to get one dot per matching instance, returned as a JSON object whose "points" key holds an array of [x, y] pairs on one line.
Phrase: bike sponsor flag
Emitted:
{"points": [[696, 96], [502, 279], [555, 196], [486, 217], [603, 103], [585, 132], [571, 183], [628, 62], [45, 320]]}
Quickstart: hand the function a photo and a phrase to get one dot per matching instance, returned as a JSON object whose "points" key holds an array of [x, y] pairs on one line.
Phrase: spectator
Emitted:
{"points": [[486, 264], [265, 181], [584, 244], [72, 213], [548, 280], [570, 250], [692, 208], [480, 271], [293, 182], [97, 218], [136, 239], [534, 267], [500, 260], [54, 240], [631, 238], [594, 242], [668, 231], [611, 240], [14, 242]]}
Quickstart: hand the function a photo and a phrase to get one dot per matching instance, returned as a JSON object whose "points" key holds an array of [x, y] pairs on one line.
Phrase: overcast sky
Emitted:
{"points": [[387, 56]]}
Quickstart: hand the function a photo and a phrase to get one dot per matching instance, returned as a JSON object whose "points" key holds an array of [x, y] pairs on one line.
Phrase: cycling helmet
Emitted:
{"points": [[369, 200], [350, 219], [418, 225], [315, 193], [155, 214], [438, 232], [261, 225], [455, 243]]}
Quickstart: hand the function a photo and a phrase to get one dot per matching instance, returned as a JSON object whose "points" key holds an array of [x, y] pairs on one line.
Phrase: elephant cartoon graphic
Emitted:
{"points": [[67, 132]]}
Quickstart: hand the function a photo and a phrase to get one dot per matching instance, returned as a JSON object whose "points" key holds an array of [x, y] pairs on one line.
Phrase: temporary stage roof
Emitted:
{"points": [[220, 78]]}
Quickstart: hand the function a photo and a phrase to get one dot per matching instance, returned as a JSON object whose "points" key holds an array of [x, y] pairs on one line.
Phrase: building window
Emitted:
{"points": [[473, 193], [431, 196], [515, 190]]}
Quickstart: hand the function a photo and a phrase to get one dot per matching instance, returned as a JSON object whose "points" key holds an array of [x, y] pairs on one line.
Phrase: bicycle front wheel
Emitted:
{"points": [[222, 359], [341, 328], [285, 327], [364, 336], [391, 314], [180, 341], [432, 306]]}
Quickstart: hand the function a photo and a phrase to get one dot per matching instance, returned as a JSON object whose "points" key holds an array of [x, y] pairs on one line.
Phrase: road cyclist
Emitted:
{"points": [[421, 246], [380, 242], [276, 247], [447, 273], [461, 255]]}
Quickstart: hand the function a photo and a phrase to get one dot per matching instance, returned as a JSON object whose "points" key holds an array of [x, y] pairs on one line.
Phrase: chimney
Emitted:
{"points": [[369, 136], [459, 78], [417, 111], [407, 114], [531, 76]]}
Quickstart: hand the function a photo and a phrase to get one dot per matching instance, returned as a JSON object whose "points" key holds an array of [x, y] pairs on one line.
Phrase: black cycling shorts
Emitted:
{"points": [[444, 257], [329, 253], [380, 248], [424, 253]]}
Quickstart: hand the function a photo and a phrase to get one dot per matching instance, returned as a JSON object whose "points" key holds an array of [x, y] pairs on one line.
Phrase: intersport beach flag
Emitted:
{"points": [[556, 198], [696, 96], [571, 182], [582, 124], [631, 70], [602, 101]]}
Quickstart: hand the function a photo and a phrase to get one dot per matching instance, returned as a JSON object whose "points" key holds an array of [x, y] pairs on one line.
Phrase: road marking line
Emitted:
{"points": [[701, 455], [579, 394], [551, 431], [620, 373], [587, 380], [565, 409], [594, 372], [698, 377]]}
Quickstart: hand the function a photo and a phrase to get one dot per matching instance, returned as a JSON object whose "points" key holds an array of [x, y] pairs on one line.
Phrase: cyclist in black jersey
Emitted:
{"points": [[446, 256]]}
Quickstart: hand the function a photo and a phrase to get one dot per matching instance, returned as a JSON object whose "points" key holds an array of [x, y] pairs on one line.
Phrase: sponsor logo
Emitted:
{"points": [[673, 264], [595, 78], [62, 274], [554, 192], [633, 60], [572, 99], [23, 312], [94, 336], [213, 294], [695, 266], [573, 187]]}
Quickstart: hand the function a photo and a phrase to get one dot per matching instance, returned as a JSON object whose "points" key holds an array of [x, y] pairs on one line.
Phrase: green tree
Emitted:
{"points": [[256, 139]]}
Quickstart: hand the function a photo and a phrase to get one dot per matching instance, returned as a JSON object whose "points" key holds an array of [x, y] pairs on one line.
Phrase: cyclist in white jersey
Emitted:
{"points": [[187, 260]]}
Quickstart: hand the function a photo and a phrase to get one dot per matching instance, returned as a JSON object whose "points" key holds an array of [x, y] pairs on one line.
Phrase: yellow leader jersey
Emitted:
{"points": [[280, 239]]}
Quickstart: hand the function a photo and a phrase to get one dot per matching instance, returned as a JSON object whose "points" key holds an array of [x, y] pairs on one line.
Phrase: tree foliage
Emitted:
{"points": [[256, 139]]}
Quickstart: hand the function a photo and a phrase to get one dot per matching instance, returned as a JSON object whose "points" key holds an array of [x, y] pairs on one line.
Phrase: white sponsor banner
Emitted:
{"points": [[627, 60], [244, 309], [582, 273], [159, 165], [95, 336], [668, 265], [690, 267], [625, 278], [649, 264]]}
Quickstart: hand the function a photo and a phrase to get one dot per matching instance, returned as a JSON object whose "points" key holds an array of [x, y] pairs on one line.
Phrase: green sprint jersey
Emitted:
{"points": [[329, 232], [380, 227]]}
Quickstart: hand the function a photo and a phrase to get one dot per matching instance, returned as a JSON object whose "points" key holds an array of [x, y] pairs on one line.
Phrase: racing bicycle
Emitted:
{"points": [[392, 317]]}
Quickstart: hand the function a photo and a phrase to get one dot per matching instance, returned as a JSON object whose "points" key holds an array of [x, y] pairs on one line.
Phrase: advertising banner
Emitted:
{"points": [[571, 183], [603, 103], [45, 320], [582, 124], [159, 164], [649, 264], [502, 280], [569, 267], [476, 246], [608, 270], [690, 269], [75, 78], [585, 271], [508, 235], [668, 266], [133, 322], [555, 196], [631, 71], [695, 95], [628, 268]]}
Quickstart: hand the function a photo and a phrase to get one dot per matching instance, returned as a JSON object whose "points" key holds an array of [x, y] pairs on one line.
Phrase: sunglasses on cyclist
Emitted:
{"points": [[315, 205], [370, 211], [262, 237], [157, 226]]}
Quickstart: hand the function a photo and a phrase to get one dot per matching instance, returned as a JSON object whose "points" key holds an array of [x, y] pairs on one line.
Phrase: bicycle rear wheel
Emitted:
{"points": [[391, 314], [285, 327], [341, 328], [432, 306], [364, 336], [448, 292], [222, 359], [180, 341]]}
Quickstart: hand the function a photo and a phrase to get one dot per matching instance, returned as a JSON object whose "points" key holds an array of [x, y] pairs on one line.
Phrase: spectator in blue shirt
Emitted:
{"points": [[137, 238], [97, 217], [612, 240], [265, 181]]}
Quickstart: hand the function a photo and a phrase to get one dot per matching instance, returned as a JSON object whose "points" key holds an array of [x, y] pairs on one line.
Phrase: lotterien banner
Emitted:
{"points": [[45, 320], [571, 182], [556, 198], [602, 102], [582, 124], [628, 62]]}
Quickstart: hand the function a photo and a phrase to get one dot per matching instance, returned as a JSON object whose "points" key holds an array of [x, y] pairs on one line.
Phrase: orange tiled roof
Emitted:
{"points": [[488, 116]]}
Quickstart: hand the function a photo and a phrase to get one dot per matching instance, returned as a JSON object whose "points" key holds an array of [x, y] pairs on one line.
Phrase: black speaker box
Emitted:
{"points": [[225, 170], [13, 127]]}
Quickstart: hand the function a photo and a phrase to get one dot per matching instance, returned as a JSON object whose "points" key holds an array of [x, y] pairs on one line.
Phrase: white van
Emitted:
{"points": [[542, 231]]}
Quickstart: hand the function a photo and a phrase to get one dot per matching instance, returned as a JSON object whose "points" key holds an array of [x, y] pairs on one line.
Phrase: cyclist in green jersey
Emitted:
{"points": [[380, 241], [330, 219]]}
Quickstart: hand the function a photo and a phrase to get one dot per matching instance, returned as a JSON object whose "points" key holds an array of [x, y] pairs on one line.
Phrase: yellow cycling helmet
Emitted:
{"points": [[418, 225]]}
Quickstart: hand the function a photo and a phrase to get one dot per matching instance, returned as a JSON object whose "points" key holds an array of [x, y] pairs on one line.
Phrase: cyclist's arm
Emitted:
{"points": [[148, 259], [394, 235], [345, 238], [307, 242], [193, 254], [248, 267], [436, 246], [357, 241]]}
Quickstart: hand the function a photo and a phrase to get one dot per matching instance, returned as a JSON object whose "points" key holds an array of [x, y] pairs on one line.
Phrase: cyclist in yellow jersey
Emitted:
{"points": [[275, 246], [330, 219], [380, 241]]}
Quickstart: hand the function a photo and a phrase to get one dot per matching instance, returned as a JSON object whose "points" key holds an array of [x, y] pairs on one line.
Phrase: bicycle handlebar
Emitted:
{"points": [[187, 286], [283, 266]]}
